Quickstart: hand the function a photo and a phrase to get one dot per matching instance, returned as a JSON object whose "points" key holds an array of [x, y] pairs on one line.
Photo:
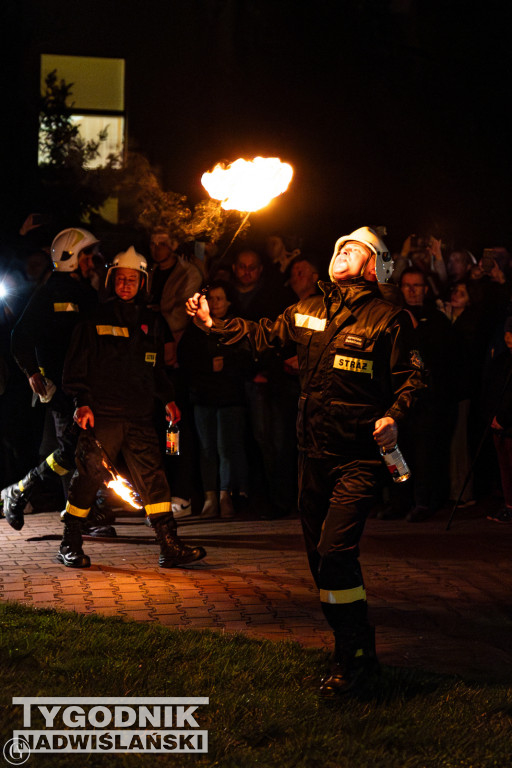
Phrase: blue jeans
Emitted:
{"points": [[221, 431]]}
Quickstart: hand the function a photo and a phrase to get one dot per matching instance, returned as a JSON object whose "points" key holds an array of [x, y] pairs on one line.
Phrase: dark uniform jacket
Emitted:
{"points": [[435, 339], [115, 363], [355, 363], [41, 337]]}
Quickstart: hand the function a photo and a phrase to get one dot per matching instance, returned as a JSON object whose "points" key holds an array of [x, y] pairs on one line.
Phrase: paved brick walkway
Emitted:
{"points": [[440, 600]]}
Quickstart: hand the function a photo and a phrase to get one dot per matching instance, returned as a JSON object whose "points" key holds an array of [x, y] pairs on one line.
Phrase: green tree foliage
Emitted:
{"points": [[145, 204], [60, 142], [73, 186], [76, 186]]}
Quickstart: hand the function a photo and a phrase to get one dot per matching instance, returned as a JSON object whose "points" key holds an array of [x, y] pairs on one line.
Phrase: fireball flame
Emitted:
{"points": [[122, 487], [248, 185]]}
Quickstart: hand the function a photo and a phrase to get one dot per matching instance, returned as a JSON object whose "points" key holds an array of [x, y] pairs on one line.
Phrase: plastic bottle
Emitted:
{"points": [[396, 464]]}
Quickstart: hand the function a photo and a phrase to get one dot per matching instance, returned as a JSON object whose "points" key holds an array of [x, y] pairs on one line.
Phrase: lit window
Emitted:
{"points": [[90, 126], [97, 98]]}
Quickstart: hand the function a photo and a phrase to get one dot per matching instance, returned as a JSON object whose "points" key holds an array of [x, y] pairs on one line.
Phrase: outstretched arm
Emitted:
{"points": [[262, 335]]}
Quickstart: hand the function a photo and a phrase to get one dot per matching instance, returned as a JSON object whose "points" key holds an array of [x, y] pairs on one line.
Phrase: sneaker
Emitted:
{"points": [[181, 507], [501, 516]]}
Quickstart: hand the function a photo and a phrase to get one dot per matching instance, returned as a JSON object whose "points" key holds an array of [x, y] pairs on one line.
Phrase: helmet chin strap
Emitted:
{"points": [[363, 269]]}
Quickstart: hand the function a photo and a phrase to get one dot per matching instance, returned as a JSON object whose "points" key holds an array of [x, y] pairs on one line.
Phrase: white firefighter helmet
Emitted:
{"points": [[366, 236], [130, 259], [67, 245]]}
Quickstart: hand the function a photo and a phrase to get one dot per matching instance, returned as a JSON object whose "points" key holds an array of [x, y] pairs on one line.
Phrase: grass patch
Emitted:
{"points": [[263, 709]]}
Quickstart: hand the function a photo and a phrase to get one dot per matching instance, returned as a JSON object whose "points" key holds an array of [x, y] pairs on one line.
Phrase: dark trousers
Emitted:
{"points": [[62, 434], [221, 431], [335, 497], [62, 460], [138, 443], [425, 442], [182, 470], [273, 414]]}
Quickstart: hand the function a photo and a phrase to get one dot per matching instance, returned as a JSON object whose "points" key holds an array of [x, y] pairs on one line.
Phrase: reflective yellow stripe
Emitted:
{"points": [[21, 486], [354, 364], [310, 321], [65, 306], [76, 511], [112, 330], [340, 596], [50, 460], [157, 509]]}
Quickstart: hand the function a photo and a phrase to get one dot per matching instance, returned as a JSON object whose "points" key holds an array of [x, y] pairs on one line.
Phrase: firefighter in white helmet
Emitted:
{"points": [[71, 248], [40, 340], [358, 381], [114, 371], [378, 263]]}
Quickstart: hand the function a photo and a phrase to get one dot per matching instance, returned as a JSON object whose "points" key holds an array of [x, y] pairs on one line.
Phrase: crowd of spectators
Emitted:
{"points": [[460, 305], [238, 446]]}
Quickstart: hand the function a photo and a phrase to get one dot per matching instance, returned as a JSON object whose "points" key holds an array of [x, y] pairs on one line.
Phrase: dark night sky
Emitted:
{"points": [[393, 113]]}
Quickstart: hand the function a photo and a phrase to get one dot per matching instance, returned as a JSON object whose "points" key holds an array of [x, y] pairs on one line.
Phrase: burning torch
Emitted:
{"points": [[119, 484], [247, 185]]}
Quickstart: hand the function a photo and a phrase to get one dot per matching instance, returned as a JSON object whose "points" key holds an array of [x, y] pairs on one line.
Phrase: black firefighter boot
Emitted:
{"points": [[173, 552], [15, 498], [70, 552], [354, 663], [97, 523]]}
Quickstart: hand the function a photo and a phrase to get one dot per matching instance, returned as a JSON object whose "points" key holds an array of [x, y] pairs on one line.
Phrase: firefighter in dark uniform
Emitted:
{"points": [[114, 370], [358, 380], [39, 343]]}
